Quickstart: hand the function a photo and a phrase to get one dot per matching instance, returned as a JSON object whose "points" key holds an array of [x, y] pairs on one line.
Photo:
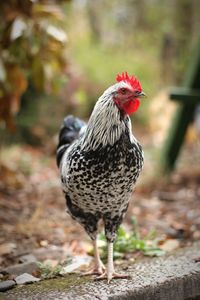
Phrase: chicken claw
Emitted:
{"points": [[113, 275]]}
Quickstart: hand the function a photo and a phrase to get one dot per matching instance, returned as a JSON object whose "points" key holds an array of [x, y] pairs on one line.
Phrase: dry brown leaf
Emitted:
{"points": [[16, 79], [170, 245], [7, 248], [10, 178]]}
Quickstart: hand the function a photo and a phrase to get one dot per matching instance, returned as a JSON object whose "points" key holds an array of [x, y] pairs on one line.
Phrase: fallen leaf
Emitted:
{"points": [[44, 243], [170, 245], [7, 248]]}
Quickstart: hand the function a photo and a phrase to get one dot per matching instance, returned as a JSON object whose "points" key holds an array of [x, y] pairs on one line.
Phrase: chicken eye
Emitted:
{"points": [[137, 92], [123, 91]]}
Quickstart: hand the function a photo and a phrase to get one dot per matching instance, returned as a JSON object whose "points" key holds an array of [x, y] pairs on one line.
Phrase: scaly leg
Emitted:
{"points": [[99, 267], [110, 272]]}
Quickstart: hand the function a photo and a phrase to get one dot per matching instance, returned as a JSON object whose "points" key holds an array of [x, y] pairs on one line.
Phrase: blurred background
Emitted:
{"points": [[56, 58]]}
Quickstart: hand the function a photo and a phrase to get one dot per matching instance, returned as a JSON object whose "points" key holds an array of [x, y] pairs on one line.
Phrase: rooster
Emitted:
{"points": [[99, 164]]}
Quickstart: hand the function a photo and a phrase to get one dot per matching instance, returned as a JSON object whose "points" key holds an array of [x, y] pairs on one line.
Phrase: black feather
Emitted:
{"points": [[68, 134]]}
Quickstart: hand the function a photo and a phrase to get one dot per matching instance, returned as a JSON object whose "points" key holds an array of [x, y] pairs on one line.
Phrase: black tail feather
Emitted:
{"points": [[68, 133]]}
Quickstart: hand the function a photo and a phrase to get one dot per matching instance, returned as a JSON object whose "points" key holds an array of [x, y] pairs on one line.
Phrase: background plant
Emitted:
{"points": [[32, 49], [132, 241]]}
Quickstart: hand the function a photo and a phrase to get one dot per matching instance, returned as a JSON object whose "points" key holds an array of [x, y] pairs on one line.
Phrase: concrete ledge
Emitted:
{"points": [[174, 277]]}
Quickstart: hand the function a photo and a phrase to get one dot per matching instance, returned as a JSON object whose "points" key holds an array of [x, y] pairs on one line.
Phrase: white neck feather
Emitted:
{"points": [[105, 125]]}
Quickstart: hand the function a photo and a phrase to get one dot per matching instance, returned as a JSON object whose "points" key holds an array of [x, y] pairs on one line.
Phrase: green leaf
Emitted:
{"points": [[154, 252], [130, 242], [38, 73], [121, 232], [151, 235], [45, 11]]}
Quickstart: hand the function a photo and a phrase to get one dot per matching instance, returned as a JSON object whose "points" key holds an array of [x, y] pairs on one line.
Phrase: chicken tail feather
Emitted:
{"points": [[69, 132]]}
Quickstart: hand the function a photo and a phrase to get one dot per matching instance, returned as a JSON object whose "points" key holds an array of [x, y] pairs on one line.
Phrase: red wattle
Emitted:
{"points": [[131, 106]]}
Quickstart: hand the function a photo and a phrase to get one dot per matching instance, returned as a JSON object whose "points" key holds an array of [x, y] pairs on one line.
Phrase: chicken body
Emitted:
{"points": [[99, 165]]}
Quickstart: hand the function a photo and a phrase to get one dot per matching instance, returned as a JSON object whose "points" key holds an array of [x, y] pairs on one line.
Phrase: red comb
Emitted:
{"points": [[129, 79]]}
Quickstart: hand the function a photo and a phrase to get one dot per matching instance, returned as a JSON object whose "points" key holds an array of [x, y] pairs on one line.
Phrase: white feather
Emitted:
{"points": [[105, 125]]}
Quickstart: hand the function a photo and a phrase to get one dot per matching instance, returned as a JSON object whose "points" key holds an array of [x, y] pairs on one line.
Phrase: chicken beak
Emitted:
{"points": [[141, 95]]}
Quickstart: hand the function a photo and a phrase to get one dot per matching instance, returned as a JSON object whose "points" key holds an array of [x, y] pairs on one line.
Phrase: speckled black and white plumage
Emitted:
{"points": [[100, 166]]}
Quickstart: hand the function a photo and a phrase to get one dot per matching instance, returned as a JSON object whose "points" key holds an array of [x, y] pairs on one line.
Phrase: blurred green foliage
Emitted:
{"points": [[47, 271], [151, 39], [32, 49], [130, 242]]}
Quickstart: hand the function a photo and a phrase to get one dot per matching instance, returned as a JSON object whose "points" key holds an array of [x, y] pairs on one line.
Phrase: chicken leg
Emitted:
{"points": [[110, 271], [99, 267]]}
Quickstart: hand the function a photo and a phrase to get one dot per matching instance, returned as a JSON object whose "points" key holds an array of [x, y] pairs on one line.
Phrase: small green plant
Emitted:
{"points": [[129, 242], [48, 271]]}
